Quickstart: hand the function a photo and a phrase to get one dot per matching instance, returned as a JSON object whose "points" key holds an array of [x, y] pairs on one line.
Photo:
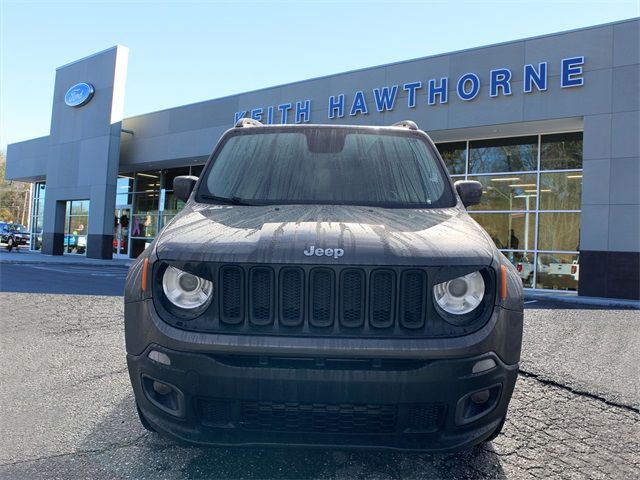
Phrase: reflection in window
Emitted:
{"points": [[37, 216], [558, 271], [559, 231], [124, 186], [524, 263], [454, 155], [561, 151], [171, 204], [509, 230], [76, 226], [79, 207], [507, 192], [146, 202], [503, 155], [144, 225], [147, 181], [560, 191]]}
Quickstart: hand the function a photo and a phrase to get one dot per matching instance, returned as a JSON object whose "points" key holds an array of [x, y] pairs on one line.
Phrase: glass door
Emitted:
{"points": [[121, 228]]}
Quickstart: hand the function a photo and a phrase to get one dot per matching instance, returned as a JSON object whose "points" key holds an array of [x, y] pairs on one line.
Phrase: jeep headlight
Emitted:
{"points": [[461, 295], [185, 290]]}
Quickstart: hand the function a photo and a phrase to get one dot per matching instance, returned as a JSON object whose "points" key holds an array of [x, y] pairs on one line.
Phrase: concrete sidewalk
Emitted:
{"points": [[29, 257]]}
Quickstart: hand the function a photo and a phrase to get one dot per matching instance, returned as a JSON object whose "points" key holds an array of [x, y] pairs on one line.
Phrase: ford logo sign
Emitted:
{"points": [[79, 94]]}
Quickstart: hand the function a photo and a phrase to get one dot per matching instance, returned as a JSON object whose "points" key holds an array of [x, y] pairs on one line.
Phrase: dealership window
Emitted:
{"points": [[515, 154], [454, 155], [561, 151], [124, 187], [37, 215], [153, 203], [75, 227], [532, 189]]}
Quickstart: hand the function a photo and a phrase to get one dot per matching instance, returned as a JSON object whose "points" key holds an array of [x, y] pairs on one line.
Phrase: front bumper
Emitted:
{"points": [[243, 400], [345, 392]]}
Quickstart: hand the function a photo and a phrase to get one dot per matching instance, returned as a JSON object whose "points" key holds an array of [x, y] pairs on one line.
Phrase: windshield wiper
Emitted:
{"points": [[231, 200]]}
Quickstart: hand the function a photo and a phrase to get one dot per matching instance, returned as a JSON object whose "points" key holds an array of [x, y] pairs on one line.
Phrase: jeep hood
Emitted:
{"points": [[368, 236]]}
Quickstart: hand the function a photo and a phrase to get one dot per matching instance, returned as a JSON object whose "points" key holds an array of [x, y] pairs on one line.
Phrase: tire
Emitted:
{"points": [[145, 423], [10, 244], [497, 431]]}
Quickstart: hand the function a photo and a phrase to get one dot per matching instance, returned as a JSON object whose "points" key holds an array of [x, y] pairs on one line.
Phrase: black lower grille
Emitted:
{"points": [[318, 417], [342, 418], [215, 413], [423, 418]]}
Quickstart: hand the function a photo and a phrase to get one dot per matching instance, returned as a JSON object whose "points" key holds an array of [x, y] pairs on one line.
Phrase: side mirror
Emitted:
{"points": [[470, 192], [183, 186]]}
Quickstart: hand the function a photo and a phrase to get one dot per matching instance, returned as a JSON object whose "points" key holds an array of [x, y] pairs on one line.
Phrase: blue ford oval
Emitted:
{"points": [[79, 94]]}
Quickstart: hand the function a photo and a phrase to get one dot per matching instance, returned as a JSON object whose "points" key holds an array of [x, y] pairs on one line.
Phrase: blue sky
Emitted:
{"points": [[188, 51]]}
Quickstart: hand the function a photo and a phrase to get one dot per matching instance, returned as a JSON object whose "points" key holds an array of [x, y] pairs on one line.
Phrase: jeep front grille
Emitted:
{"points": [[325, 300], [331, 297]]}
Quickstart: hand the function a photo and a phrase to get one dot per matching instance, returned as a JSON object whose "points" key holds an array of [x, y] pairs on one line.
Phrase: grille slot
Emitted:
{"points": [[215, 413], [232, 294], [425, 417], [352, 298], [322, 295], [261, 296], [412, 298], [318, 417], [382, 295], [291, 297]]}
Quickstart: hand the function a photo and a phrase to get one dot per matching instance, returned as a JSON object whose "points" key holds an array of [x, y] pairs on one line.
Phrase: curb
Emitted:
{"points": [[28, 262], [83, 262], [598, 301]]}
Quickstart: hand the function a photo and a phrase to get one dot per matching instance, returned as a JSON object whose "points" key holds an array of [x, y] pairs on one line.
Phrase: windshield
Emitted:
{"points": [[327, 166], [17, 228]]}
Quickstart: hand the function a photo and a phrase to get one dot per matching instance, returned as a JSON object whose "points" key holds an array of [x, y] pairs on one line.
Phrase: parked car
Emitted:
{"points": [[560, 275], [525, 269], [14, 235], [324, 285]]}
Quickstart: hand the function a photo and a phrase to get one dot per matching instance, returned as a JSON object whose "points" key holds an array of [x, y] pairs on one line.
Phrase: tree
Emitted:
{"points": [[14, 197]]}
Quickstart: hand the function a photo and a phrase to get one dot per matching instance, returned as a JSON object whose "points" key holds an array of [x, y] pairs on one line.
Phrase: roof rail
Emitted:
{"points": [[248, 122], [410, 124]]}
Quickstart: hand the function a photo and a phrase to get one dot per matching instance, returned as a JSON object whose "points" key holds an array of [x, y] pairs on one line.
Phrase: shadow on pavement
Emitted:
{"points": [[137, 454]]}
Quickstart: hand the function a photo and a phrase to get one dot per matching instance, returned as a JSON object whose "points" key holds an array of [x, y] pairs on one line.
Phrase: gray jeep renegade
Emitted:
{"points": [[324, 285]]}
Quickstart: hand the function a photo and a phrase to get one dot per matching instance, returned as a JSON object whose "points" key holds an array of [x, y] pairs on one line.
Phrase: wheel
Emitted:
{"points": [[145, 423], [497, 431], [10, 244]]}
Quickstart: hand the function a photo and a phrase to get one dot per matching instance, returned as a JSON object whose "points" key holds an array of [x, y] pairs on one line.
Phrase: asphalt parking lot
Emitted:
{"points": [[66, 408], [62, 279]]}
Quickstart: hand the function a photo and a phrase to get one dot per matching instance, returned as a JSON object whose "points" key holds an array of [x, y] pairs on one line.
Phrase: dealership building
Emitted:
{"points": [[549, 125]]}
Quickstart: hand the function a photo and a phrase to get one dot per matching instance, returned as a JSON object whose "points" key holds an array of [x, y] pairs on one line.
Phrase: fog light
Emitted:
{"points": [[161, 388], [483, 365], [478, 398], [159, 357]]}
